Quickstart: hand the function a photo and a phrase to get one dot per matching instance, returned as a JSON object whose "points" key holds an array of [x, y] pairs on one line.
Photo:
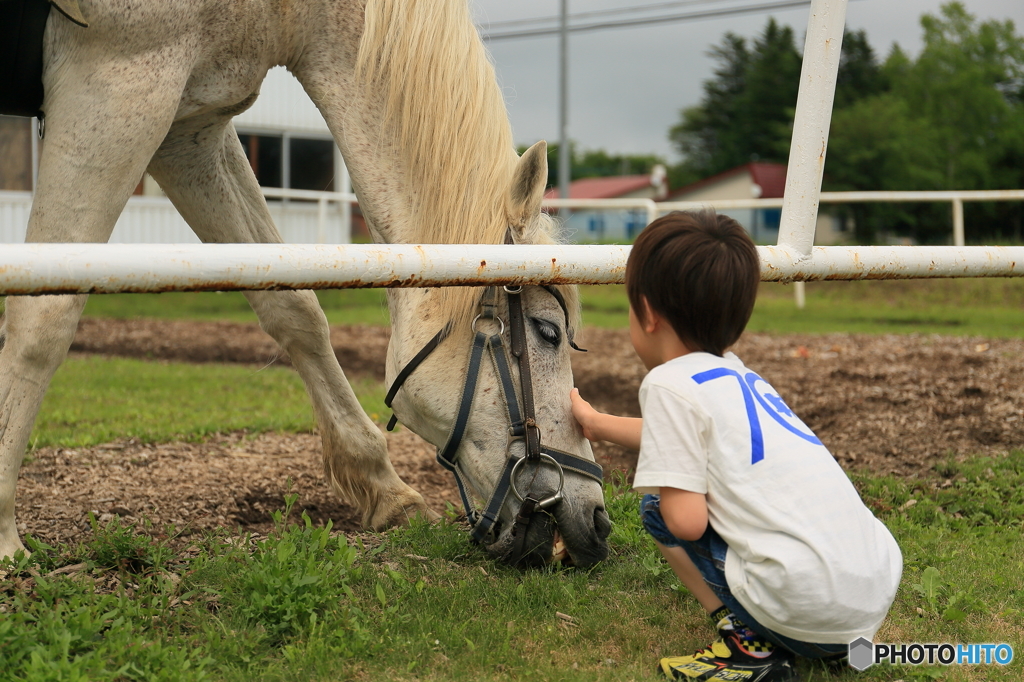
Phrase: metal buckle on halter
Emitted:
{"points": [[524, 430], [511, 437], [545, 503], [490, 317]]}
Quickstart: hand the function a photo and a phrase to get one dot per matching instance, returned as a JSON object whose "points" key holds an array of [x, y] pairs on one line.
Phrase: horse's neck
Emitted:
{"points": [[429, 149]]}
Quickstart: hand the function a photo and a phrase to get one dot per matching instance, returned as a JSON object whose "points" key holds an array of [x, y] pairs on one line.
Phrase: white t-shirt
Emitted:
{"points": [[806, 558]]}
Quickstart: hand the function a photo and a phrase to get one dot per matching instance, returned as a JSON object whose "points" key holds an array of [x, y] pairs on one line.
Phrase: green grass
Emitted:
{"points": [[964, 307], [346, 306], [421, 603], [978, 307], [967, 307], [97, 399]]}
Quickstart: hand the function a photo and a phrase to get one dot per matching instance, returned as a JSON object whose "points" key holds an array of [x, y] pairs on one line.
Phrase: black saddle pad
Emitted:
{"points": [[22, 23]]}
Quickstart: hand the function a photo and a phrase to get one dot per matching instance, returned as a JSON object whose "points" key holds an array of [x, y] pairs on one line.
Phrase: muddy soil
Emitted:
{"points": [[901, 405]]}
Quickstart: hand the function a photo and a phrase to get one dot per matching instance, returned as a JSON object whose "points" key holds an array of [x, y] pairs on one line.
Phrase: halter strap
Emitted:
{"points": [[411, 367], [522, 355]]}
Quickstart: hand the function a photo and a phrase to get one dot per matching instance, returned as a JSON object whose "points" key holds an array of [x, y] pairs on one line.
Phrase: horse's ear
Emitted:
{"points": [[528, 183]]}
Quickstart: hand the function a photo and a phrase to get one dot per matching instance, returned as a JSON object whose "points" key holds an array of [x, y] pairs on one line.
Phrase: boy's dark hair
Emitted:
{"points": [[698, 270]]}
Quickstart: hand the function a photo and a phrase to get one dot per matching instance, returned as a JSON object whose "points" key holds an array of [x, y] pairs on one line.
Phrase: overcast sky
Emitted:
{"points": [[628, 85]]}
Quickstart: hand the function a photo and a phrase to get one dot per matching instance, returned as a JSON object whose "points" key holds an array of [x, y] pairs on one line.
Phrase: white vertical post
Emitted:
{"points": [[958, 221], [652, 211], [321, 221], [286, 175], [810, 126], [800, 294], [822, 49]]}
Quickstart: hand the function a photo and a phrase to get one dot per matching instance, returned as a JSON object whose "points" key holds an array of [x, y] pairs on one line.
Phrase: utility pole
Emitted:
{"points": [[564, 157]]}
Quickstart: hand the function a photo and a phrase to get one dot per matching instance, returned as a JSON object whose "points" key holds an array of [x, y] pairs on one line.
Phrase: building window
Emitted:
{"points": [[311, 164], [264, 154], [772, 217], [292, 162], [635, 221]]}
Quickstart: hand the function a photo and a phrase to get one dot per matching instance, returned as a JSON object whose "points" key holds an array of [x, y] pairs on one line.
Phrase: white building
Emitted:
{"points": [[285, 138], [612, 225], [757, 181]]}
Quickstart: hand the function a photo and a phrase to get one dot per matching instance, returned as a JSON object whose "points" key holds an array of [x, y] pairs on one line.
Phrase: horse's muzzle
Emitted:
{"points": [[577, 531]]}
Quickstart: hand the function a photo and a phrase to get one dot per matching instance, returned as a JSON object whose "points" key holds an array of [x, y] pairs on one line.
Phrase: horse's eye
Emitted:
{"points": [[548, 331]]}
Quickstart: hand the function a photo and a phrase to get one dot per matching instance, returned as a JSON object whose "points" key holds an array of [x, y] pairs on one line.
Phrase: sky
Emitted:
{"points": [[627, 86]]}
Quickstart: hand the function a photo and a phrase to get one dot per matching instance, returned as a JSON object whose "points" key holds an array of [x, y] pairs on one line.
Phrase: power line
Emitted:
{"points": [[664, 19], [584, 15]]}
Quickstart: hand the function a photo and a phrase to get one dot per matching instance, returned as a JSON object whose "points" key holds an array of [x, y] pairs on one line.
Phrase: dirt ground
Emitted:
{"points": [[885, 404]]}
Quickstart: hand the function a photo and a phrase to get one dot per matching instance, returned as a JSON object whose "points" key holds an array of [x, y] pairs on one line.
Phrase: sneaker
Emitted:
{"points": [[733, 659]]}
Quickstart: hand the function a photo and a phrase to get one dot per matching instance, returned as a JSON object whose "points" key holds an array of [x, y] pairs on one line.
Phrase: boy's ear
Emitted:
{"points": [[651, 318]]}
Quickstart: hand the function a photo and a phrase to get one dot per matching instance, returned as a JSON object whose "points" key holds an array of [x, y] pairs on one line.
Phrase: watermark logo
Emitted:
{"points": [[864, 653]]}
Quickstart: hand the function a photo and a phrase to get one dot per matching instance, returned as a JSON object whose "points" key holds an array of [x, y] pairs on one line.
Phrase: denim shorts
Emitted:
{"points": [[708, 554]]}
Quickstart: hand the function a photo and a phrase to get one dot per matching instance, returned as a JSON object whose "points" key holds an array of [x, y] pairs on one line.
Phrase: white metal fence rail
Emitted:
{"points": [[117, 268], [52, 268]]}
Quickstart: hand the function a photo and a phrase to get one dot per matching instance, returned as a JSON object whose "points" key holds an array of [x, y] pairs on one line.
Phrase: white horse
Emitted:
{"points": [[411, 99]]}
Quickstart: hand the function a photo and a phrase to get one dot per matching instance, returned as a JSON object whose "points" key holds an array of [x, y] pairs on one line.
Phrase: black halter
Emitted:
{"points": [[522, 423]]}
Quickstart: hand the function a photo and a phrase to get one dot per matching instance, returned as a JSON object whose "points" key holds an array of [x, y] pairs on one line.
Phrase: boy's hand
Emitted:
{"points": [[624, 431], [584, 413]]}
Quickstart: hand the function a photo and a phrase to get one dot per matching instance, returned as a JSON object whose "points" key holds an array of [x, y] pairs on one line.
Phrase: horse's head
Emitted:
{"points": [[498, 369]]}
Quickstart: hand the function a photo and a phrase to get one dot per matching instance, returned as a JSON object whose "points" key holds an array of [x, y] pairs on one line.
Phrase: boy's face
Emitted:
{"points": [[654, 339]]}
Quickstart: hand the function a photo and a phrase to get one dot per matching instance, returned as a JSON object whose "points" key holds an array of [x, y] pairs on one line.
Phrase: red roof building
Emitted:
{"points": [[653, 186], [750, 181], [757, 181]]}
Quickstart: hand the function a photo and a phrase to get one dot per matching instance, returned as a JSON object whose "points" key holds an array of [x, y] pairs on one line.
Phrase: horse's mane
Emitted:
{"points": [[444, 110]]}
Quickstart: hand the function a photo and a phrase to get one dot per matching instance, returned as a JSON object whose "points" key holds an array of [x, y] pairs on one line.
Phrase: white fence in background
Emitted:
{"points": [[653, 209], [325, 218], [301, 216]]}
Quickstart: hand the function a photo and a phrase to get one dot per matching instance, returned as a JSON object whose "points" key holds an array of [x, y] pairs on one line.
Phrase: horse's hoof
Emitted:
{"points": [[409, 505], [9, 548]]}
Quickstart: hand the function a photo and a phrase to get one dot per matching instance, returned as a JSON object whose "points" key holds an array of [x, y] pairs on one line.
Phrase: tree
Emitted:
{"points": [[747, 107], [860, 75], [960, 82], [951, 119], [598, 163], [701, 134]]}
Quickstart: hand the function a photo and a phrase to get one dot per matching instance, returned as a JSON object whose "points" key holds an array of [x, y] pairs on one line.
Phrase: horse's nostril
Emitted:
{"points": [[602, 524]]}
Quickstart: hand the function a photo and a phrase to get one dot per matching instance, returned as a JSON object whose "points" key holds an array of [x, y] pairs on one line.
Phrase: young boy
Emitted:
{"points": [[751, 511]]}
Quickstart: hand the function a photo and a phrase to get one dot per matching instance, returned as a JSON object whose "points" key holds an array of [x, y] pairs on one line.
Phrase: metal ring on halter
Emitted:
{"points": [[518, 289], [543, 504], [493, 318]]}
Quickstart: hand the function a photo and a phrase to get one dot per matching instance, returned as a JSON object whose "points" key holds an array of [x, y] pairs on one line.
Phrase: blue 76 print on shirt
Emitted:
{"points": [[770, 401]]}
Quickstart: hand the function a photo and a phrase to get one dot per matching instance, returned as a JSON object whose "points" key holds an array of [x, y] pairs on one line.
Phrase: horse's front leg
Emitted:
{"points": [[202, 168]]}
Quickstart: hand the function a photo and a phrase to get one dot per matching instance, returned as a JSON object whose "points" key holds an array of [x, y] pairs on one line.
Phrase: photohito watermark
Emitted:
{"points": [[864, 653]]}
